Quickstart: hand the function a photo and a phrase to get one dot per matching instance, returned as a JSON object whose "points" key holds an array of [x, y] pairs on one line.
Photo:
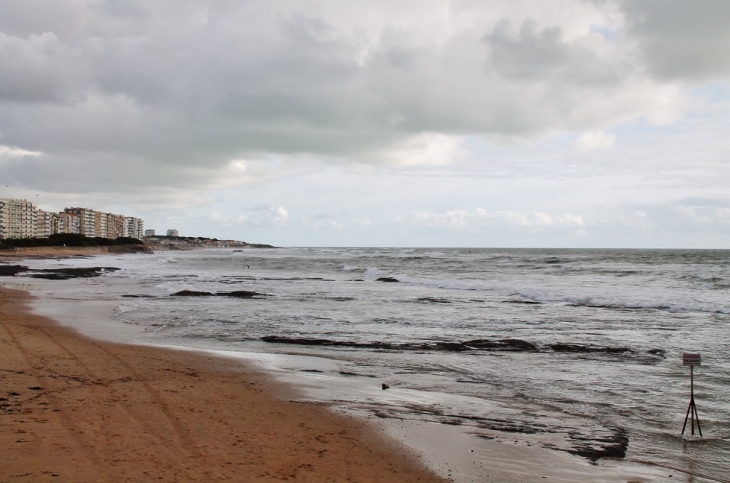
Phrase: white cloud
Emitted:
{"points": [[426, 149], [593, 140], [462, 219], [16, 152], [259, 215], [704, 214]]}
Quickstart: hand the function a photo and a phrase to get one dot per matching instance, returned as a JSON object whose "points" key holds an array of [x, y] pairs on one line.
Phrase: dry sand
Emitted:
{"points": [[73, 409]]}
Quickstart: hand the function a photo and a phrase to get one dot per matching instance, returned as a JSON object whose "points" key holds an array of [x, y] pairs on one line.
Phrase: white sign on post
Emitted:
{"points": [[689, 359]]}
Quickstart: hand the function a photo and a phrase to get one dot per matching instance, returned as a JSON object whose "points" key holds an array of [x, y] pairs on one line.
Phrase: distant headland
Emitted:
{"points": [[169, 242]]}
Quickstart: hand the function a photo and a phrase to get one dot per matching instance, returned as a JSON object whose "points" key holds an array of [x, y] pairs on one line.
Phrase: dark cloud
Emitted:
{"points": [[534, 55], [680, 39]]}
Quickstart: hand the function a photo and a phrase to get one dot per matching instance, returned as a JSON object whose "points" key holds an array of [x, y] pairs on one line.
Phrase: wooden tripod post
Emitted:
{"points": [[692, 360]]}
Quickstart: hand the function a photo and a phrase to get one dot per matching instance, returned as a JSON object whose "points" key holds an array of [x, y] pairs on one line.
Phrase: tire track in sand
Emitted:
{"points": [[103, 454], [179, 451], [86, 447]]}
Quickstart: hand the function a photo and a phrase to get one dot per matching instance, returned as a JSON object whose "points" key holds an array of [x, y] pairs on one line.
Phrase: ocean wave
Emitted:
{"points": [[648, 306]]}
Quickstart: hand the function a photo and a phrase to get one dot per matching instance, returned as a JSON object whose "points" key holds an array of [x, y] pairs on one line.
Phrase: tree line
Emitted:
{"points": [[67, 240]]}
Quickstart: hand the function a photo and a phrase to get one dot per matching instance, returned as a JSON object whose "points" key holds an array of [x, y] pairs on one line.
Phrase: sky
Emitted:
{"points": [[462, 123]]}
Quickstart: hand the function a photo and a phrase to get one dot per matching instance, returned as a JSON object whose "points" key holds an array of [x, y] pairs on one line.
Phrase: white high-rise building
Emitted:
{"points": [[87, 220], [45, 224], [20, 219], [133, 227], [17, 218], [172, 232]]}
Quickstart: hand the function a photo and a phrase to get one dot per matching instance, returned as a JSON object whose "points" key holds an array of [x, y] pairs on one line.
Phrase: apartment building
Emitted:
{"points": [[100, 223], [45, 223], [67, 223], [114, 225], [133, 227], [17, 218], [20, 219], [87, 220]]}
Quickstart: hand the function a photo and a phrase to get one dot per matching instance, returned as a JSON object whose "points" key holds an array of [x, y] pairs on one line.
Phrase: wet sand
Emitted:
{"points": [[74, 409]]}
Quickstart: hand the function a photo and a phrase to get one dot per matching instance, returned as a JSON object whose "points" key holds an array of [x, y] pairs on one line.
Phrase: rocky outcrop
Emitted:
{"points": [[587, 348], [69, 273], [191, 293], [56, 273], [11, 270], [240, 294]]}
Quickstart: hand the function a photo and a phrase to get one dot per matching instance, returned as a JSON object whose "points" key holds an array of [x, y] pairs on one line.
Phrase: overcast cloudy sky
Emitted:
{"points": [[561, 123]]}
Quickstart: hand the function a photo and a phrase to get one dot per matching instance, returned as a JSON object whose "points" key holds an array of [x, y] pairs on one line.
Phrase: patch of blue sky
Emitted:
{"points": [[608, 33], [714, 92]]}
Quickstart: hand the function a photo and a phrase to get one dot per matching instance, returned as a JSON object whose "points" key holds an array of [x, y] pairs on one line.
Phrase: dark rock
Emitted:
{"points": [[69, 273], [482, 344], [502, 345], [241, 294], [442, 346], [433, 300], [587, 349], [302, 341], [11, 270], [387, 279], [35, 388], [355, 374], [385, 386], [611, 447], [191, 293]]}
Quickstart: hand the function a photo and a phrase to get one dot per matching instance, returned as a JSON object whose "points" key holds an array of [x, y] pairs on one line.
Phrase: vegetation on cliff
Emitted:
{"points": [[67, 240]]}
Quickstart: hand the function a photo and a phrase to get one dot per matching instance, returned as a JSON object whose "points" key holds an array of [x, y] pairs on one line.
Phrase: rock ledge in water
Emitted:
{"points": [[241, 294]]}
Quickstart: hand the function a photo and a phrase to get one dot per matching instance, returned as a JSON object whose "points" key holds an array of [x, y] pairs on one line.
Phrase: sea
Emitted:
{"points": [[576, 351]]}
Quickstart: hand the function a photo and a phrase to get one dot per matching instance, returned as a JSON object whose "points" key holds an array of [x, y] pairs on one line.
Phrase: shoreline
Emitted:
{"points": [[78, 409], [67, 252]]}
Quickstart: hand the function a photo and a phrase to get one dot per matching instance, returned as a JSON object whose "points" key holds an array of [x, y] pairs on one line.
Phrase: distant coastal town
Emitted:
{"points": [[20, 220]]}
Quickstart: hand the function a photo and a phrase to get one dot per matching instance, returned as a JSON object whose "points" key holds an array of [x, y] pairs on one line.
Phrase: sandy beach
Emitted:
{"points": [[80, 410]]}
